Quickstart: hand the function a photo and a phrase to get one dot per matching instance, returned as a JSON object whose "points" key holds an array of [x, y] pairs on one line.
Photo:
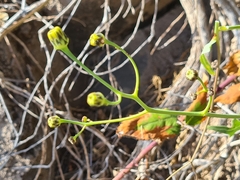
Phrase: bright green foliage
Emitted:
{"points": [[160, 121], [207, 48], [226, 130], [150, 126]]}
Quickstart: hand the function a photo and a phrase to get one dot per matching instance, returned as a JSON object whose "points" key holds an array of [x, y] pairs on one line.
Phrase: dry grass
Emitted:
{"points": [[37, 82]]}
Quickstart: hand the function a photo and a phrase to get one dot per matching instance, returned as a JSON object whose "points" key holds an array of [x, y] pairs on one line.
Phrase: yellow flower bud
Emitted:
{"points": [[97, 40], [191, 74], [85, 119], [96, 99], [58, 38], [54, 121]]}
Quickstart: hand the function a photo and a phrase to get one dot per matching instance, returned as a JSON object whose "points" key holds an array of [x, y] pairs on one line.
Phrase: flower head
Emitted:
{"points": [[97, 39], [58, 38], [191, 74], [54, 121], [96, 99]]}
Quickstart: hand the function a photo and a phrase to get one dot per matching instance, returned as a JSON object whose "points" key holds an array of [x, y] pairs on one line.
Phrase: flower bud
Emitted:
{"points": [[54, 121], [85, 119], [211, 92], [96, 99], [192, 75], [97, 39], [58, 38], [193, 96], [72, 140]]}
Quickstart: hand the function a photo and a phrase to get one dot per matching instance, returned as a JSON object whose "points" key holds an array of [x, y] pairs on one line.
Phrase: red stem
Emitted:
{"points": [[226, 82], [134, 162]]}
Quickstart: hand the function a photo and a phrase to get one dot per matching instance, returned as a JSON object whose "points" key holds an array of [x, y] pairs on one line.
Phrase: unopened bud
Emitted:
{"points": [[96, 99], [58, 38], [54, 121], [192, 75], [97, 39]]}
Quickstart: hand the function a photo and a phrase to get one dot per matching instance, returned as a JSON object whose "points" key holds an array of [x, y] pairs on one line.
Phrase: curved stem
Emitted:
{"points": [[78, 134], [136, 98], [70, 55], [202, 83], [209, 104], [131, 60], [114, 103]]}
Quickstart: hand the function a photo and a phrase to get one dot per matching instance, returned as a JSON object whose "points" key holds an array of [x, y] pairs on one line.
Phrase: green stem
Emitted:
{"points": [[193, 113], [114, 103], [202, 83], [228, 28], [79, 133], [215, 83], [133, 96], [133, 64], [92, 123], [70, 55], [137, 99], [210, 101]]}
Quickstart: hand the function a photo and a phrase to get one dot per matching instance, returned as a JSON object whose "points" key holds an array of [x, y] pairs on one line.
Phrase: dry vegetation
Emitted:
{"points": [[165, 39]]}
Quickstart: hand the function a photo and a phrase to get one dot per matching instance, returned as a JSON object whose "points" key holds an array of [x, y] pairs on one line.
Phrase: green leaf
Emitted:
{"points": [[207, 48], [150, 126], [226, 130], [160, 121], [198, 104], [193, 120], [204, 61]]}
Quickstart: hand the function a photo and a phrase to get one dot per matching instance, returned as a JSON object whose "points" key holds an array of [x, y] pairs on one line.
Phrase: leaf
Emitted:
{"points": [[233, 66], [226, 130], [198, 104], [204, 61], [150, 126], [207, 48], [231, 95]]}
